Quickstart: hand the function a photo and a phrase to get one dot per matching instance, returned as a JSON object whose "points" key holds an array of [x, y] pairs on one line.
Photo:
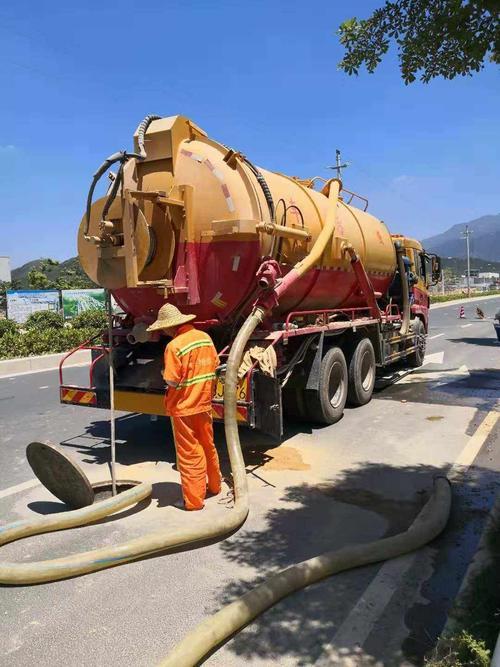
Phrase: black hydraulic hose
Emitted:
{"points": [[113, 192], [265, 188], [261, 181], [122, 157]]}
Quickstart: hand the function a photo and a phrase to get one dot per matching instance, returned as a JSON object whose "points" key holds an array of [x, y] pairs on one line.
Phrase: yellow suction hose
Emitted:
{"points": [[405, 324], [233, 617]]}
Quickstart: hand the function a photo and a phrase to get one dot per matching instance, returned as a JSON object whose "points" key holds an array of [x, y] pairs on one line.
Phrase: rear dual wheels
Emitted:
{"points": [[341, 381], [326, 404], [361, 373]]}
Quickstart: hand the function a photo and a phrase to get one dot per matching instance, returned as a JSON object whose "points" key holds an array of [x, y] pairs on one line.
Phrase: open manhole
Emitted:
{"points": [[104, 490], [63, 477]]}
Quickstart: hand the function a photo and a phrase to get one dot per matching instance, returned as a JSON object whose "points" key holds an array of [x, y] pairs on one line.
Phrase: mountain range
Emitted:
{"points": [[69, 270], [484, 240]]}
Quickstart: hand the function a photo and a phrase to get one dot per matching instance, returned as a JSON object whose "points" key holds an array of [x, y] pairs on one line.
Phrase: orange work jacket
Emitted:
{"points": [[190, 363]]}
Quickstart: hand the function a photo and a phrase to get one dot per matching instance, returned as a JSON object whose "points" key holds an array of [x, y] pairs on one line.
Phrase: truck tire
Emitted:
{"points": [[416, 359], [326, 405], [361, 373]]}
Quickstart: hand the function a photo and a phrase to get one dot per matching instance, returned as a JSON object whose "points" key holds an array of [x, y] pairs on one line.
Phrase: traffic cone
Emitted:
{"points": [[461, 313]]}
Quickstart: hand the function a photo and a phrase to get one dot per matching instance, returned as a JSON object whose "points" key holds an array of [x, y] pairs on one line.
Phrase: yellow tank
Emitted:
{"points": [[193, 220]]}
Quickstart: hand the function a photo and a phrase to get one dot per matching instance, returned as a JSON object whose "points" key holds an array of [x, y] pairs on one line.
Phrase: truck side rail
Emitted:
{"points": [[86, 345]]}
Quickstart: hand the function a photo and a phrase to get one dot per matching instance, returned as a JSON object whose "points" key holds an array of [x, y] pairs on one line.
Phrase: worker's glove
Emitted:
{"points": [[220, 370]]}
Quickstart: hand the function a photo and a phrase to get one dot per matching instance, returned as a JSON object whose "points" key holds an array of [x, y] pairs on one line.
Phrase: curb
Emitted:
{"points": [[472, 299], [45, 362]]}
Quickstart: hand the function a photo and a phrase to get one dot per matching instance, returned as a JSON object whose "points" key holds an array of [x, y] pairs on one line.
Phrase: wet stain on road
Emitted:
{"points": [[285, 458], [398, 513]]}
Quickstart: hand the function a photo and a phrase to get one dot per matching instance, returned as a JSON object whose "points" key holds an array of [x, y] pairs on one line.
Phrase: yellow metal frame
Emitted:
{"points": [[153, 404], [136, 401]]}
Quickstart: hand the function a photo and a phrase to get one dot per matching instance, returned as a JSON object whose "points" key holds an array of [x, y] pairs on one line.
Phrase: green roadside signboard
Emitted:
{"points": [[76, 301]]}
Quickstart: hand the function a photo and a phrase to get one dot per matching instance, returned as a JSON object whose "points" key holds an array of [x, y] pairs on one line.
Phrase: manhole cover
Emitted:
{"points": [[60, 474]]}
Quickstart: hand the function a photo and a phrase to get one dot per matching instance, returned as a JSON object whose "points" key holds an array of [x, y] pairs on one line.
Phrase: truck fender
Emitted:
{"points": [[313, 377]]}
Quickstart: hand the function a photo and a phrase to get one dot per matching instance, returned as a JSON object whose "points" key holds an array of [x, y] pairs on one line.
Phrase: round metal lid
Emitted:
{"points": [[108, 269], [60, 474]]}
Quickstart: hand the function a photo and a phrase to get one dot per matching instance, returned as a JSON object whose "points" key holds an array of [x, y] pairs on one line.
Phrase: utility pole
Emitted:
{"points": [[466, 236], [338, 166]]}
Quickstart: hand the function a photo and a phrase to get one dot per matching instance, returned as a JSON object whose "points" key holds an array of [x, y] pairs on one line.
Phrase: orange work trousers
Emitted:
{"points": [[197, 458]]}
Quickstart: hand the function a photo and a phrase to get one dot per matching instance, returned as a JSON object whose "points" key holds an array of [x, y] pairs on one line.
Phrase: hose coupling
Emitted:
{"points": [[268, 274]]}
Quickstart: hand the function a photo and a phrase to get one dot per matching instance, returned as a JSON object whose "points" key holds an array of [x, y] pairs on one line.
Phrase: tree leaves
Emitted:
{"points": [[434, 37]]}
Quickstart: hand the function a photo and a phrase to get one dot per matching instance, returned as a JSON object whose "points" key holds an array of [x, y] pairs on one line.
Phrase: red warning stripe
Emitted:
{"points": [[78, 396], [218, 412]]}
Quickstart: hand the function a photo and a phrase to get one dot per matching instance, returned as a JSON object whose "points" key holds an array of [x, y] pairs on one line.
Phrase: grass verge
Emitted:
{"points": [[439, 298], [477, 619]]}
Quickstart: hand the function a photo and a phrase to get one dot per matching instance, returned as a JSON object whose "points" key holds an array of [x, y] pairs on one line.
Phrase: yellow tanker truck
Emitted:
{"points": [[190, 221]]}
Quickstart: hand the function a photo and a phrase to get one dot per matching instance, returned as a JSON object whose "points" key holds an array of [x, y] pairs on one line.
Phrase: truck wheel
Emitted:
{"points": [[416, 359], [361, 373], [326, 405]]}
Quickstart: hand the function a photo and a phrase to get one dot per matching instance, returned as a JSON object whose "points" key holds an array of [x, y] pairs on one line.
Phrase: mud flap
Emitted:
{"points": [[268, 408]]}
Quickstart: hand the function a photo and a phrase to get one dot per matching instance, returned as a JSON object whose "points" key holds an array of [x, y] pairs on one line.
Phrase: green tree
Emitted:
{"points": [[38, 280], [4, 286], [434, 37], [3, 295], [46, 264], [72, 279]]}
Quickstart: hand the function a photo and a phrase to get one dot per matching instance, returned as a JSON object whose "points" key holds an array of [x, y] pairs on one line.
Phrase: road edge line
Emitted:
{"points": [[17, 488], [463, 462]]}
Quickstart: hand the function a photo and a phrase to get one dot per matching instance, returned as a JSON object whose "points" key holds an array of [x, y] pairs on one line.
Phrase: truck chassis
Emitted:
{"points": [[302, 386]]}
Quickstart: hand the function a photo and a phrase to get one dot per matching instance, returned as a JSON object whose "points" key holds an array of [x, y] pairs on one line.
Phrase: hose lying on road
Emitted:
{"points": [[161, 540], [230, 619]]}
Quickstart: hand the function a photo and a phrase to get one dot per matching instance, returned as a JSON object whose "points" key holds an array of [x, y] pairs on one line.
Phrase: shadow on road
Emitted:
{"points": [[139, 440], [479, 388], [314, 522]]}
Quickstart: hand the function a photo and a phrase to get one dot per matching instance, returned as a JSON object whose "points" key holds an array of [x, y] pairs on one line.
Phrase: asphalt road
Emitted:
{"points": [[363, 478]]}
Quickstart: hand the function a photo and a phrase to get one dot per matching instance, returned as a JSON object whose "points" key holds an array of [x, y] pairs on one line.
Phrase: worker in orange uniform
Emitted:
{"points": [[190, 363]]}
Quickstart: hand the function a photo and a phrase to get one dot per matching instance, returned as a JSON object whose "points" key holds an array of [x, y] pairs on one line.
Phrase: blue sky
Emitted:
{"points": [[77, 78]]}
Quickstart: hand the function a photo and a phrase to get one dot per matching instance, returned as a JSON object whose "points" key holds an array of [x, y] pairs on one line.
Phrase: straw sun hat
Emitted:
{"points": [[169, 317]]}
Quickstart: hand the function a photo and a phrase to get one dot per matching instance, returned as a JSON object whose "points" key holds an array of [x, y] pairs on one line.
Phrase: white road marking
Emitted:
{"points": [[436, 336], [354, 631], [435, 376], [361, 620], [45, 386], [464, 326], [436, 358], [474, 444], [19, 487]]}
